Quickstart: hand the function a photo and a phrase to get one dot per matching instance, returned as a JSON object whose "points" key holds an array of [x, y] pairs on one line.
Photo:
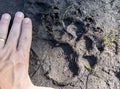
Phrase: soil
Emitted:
{"points": [[75, 43]]}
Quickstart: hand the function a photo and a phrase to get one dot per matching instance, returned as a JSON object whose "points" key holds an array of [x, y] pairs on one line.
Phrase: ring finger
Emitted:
{"points": [[4, 25]]}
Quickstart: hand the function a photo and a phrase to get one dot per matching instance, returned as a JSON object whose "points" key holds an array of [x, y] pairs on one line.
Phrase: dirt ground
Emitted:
{"points": [[75, 42]]}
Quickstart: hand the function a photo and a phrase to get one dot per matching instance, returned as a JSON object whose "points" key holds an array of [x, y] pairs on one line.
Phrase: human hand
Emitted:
{"points": [[14, 53]]}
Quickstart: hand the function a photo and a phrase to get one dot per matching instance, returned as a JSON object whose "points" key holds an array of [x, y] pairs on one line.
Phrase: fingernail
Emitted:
{"points": [[26, 20], [19, 14], [6, 16]]}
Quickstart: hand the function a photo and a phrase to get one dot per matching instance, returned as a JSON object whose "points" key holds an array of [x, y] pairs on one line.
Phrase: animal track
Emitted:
{"points": [[92, 60], [88, 43]]}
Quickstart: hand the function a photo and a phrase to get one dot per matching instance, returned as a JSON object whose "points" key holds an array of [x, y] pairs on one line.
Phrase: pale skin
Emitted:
{"points": [[14, 52]]}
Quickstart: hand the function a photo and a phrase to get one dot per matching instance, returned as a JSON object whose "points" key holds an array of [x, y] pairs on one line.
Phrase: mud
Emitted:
{"points": [[75, 43]]}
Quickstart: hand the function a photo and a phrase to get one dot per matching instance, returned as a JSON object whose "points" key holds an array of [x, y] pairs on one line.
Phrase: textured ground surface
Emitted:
{"points": [[75, 43]]}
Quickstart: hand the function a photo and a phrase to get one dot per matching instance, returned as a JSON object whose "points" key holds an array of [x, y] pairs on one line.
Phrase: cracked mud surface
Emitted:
{"points": [[75, 43]]}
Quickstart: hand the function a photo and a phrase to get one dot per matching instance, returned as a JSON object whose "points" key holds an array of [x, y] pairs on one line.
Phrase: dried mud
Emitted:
{"points": [[75, 43]]}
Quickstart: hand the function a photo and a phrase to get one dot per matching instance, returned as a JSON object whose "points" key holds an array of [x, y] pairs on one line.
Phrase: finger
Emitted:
{"points": [[15, 30], [4, 25], [26, 35]]}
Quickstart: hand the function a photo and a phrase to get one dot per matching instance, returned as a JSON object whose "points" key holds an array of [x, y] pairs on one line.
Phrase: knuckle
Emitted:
{"points": [[12, 57], [22, 57], [5, 54], [15, 62], [9, 48], [23, 53], [11, 63]]}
